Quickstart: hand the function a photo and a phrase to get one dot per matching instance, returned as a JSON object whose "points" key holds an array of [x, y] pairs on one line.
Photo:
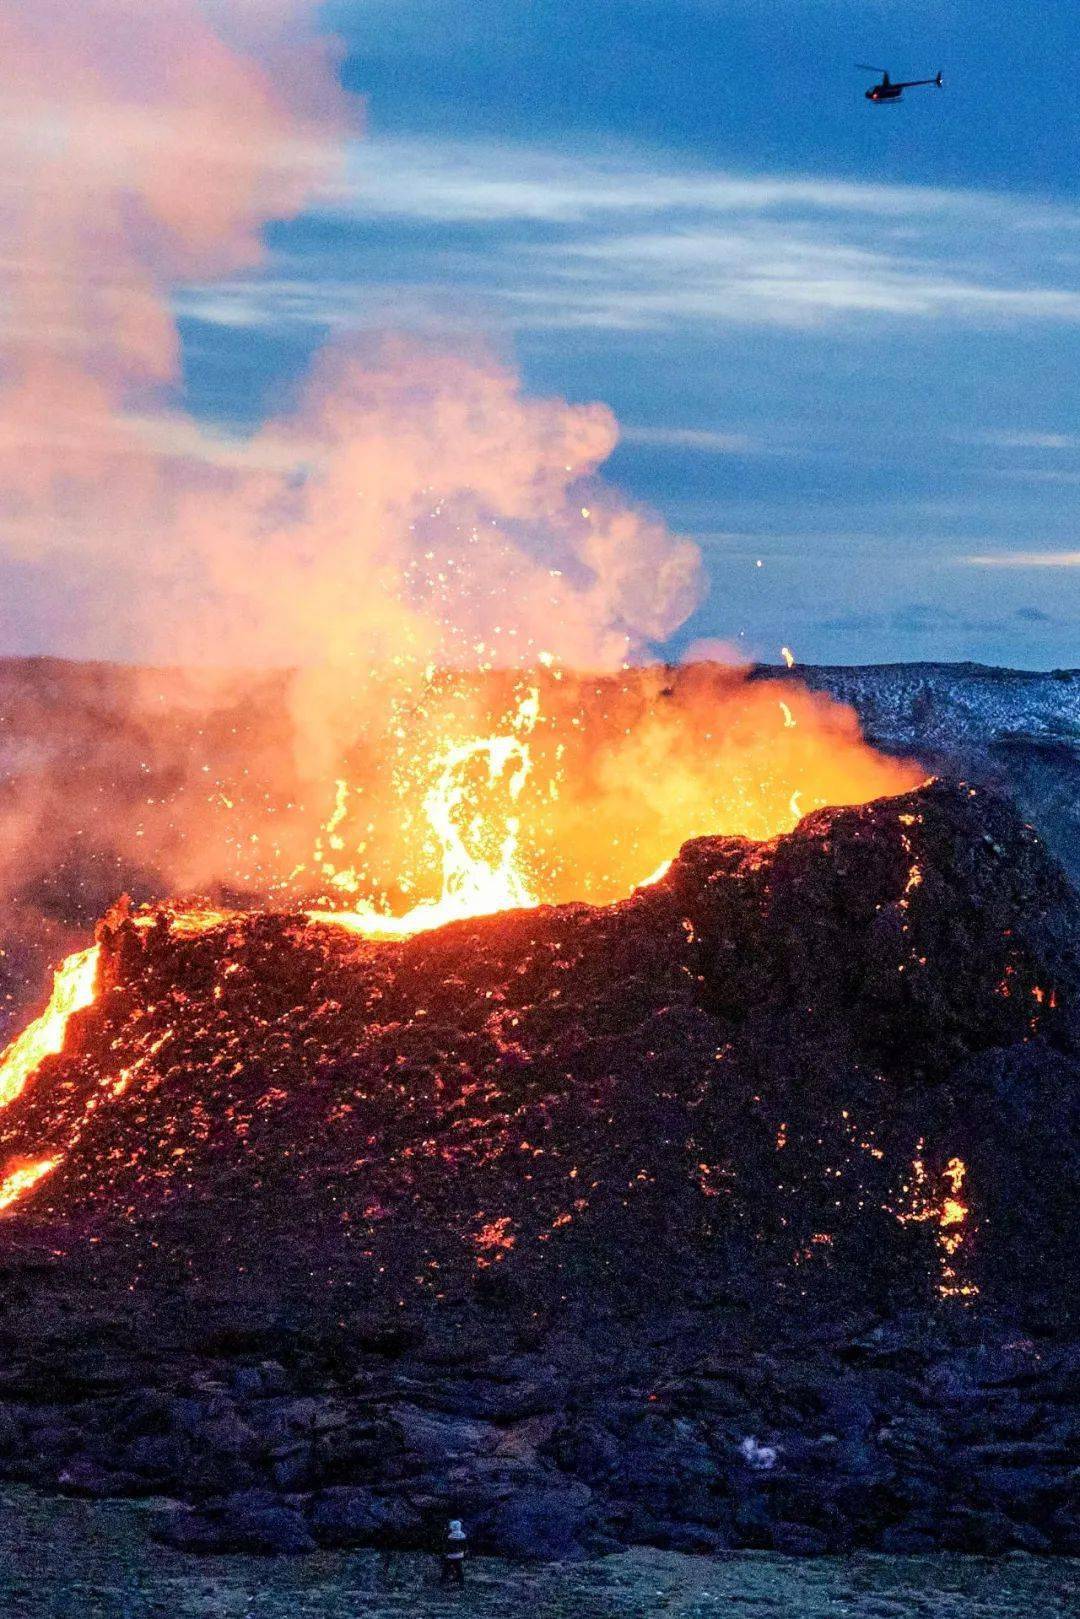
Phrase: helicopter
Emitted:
{"points": [[887, 90]]}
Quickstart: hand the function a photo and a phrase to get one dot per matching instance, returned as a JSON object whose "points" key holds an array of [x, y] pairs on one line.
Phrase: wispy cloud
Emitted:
{"points": [[920, 619], [456, 180], [774, 273], [1054, 476], [539, 238], [475, 181], [704, 439], [1024, 559], [1015, 439]]}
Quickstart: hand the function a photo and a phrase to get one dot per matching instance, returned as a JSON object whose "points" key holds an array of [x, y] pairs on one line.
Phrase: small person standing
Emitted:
{"points": [[453, 1561]]}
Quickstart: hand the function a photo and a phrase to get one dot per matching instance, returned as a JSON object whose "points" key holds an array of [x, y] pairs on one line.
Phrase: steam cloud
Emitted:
{"points": [[415, 507], [412, 490]]}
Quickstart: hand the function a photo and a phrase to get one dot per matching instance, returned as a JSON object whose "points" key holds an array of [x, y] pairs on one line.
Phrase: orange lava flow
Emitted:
{"points": [[22, 1180], [74, 987]]}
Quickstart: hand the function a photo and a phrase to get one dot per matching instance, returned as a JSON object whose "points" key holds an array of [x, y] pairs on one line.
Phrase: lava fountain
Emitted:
{"points": [[480, 852]]}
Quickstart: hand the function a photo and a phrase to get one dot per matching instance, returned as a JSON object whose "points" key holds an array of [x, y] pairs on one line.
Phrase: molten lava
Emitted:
{"points": [[574, 791], [481, 871], [17, 1182], [74, 988]]}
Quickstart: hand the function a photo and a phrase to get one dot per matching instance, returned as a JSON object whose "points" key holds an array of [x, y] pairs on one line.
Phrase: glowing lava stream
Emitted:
{"points": [[19, 1181], [74, 988]]}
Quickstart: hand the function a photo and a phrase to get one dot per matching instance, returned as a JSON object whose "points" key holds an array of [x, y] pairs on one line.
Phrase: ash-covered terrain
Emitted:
{"points": [[737, 1213]]}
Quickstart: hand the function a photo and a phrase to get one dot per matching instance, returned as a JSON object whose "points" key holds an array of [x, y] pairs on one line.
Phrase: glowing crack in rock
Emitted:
{"points": [[949, 1213]]}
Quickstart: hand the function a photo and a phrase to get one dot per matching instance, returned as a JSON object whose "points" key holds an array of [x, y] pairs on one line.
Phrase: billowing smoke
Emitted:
{"points": [[146, 145], [142, 145]]}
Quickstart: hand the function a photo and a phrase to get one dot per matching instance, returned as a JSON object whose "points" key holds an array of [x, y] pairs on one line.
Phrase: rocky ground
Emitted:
{"points": [[113, 1570], [1015, 731], [739, 1214], [636, 1227]]}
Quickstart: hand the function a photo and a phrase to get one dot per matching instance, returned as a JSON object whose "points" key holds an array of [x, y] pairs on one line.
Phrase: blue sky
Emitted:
{"points": [[842, 340]]}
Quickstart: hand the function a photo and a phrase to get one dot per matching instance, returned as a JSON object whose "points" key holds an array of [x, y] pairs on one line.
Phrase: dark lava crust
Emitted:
{"points": [[738, 1213]]}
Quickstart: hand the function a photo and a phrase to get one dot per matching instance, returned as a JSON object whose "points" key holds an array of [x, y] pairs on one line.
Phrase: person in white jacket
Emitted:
{"points": [[453, 1562]]}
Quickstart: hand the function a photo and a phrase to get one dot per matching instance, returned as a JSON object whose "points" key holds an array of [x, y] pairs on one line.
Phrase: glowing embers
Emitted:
{"points": [[950, 1214], [185, 922], [74, 988], [494, 1240]]}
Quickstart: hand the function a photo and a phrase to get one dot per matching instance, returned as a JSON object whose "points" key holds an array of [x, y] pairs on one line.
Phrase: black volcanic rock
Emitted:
{"points": [[1015, 731], [737, 1212]]}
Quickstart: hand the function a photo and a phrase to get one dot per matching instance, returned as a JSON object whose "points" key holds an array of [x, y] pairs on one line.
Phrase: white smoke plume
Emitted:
{"points": [[417, 501]]}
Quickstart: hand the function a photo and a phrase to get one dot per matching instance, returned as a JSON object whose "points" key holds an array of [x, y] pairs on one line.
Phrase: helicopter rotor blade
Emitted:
{"points": [[867, 67]]}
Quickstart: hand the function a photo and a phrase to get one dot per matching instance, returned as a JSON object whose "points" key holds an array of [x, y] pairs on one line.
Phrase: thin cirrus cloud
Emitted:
{"points": [[534, 237], [1054, 477], [706, 440], [1026, 439], [1024, 559]]}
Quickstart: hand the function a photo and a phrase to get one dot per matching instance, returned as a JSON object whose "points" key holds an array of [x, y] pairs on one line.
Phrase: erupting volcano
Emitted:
{"points": [[529, 815], [595, 1182], [491, 1074]]}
